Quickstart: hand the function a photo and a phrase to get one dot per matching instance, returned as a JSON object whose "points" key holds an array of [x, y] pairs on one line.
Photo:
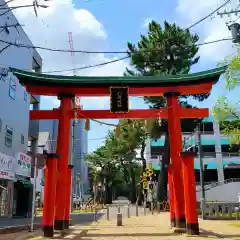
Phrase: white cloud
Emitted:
{"points": [[214, 28], [146, 22], [50, 29]]}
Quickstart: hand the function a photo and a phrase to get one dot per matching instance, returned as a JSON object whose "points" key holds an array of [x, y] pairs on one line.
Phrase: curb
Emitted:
{"points": [[19, 228]]}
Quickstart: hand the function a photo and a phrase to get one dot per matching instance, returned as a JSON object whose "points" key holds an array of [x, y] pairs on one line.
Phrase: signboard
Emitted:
{"points": [[119, 100], [6, 167], [24, 165]]}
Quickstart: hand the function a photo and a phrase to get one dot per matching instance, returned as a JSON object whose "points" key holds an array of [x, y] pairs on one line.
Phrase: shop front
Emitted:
{"points": [[7, 177], [23, 186]]}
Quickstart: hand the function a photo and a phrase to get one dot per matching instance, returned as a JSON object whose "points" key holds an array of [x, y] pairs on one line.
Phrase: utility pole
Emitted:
{"points": [[200, 155], [233, 26], [72, 157], [221, 14], [34, 195]]}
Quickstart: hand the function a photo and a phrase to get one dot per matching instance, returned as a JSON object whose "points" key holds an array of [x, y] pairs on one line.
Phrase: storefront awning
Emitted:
{"points": [[26, 183]]}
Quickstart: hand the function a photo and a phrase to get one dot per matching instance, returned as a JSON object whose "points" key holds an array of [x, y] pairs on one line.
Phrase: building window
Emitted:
{"points": [[8, 136], [12, 89], [22, 138], [25, 96]]}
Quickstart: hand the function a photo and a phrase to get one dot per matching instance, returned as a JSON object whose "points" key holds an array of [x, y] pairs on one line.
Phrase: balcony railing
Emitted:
{"points": [[216, 184], [205, 155], [224, 154]]}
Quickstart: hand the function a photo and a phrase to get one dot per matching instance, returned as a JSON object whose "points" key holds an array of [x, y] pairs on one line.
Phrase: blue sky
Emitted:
{"points": [[123, 21], [107, 25]]}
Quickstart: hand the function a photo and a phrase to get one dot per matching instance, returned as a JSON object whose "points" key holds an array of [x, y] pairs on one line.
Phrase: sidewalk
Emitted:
{"points": [[13, 222], [150, 227]]}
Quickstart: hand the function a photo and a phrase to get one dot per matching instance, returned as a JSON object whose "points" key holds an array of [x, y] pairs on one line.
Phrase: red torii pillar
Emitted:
{"points": [[49, 195], [63, 143], [171, 197], [175, 140], [192, 226]]}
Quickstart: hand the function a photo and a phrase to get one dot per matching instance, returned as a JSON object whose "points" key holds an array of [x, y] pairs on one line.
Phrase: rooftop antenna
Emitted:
{"points": [[72, 53]]}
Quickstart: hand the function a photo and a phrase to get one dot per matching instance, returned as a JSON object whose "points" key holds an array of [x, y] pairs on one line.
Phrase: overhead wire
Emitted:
{"points": [[111, 124], [9, 9], [107, 52], [209, 15], [123, 58]]}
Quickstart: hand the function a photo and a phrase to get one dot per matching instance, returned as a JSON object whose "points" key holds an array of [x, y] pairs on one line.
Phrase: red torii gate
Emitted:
{"points": [[181, 173]]}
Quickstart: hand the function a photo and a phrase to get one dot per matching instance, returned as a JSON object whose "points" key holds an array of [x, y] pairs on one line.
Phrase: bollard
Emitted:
{"points": [[128, 210], [144, 208], [108, 217], [158, 207], [152, 208], [137, 209], [95, 215], [119, 217]]}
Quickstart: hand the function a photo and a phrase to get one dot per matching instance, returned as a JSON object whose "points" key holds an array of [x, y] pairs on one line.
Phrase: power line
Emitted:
{"points": [[6, 3], [99, 52], [9, 9], [209, 15], [123, 58], [90, 66], [94, 52]]}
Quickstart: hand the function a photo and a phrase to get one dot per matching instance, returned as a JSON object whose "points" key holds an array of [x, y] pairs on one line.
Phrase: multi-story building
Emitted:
{"points": [[15, 131], [80, 184], [221, 162]]}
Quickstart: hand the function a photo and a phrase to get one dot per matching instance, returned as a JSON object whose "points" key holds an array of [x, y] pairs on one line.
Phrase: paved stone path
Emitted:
{"points": [[150, 227]]}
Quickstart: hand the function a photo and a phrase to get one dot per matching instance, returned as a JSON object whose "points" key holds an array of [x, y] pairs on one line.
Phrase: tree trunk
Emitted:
{"points": [[162, 192], [133, 188], [144, 165], [125, 172], [108, 192]]}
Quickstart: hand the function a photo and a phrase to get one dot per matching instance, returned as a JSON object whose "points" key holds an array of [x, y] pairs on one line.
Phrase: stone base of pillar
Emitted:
{"points": [[192, 229], [59, 224], [66, 224], [173, 222], [48, 231], [180, 225]]}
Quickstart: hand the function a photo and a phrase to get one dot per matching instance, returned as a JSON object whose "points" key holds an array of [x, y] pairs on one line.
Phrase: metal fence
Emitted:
{"points": [[221, 210]]}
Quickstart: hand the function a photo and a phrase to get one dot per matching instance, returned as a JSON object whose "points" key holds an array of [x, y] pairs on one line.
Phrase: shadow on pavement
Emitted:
{"points": [[87, 235], [8, 226], [208, 233], [85, 218], [84, 234]]}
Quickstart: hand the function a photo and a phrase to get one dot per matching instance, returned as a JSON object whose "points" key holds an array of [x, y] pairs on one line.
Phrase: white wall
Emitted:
{"points": [[223, 193], [14, 112]]}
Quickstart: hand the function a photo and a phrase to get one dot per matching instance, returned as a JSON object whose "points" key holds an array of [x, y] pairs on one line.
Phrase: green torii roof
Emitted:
{"points": [[26, 77]]}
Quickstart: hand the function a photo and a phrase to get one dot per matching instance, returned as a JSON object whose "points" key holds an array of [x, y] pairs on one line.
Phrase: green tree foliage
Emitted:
{"points": [[166, 50], [117, 159], [223, 109]]}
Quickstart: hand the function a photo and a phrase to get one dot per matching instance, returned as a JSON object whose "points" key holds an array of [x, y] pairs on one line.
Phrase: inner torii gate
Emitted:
{"points": [[182, 191]]}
